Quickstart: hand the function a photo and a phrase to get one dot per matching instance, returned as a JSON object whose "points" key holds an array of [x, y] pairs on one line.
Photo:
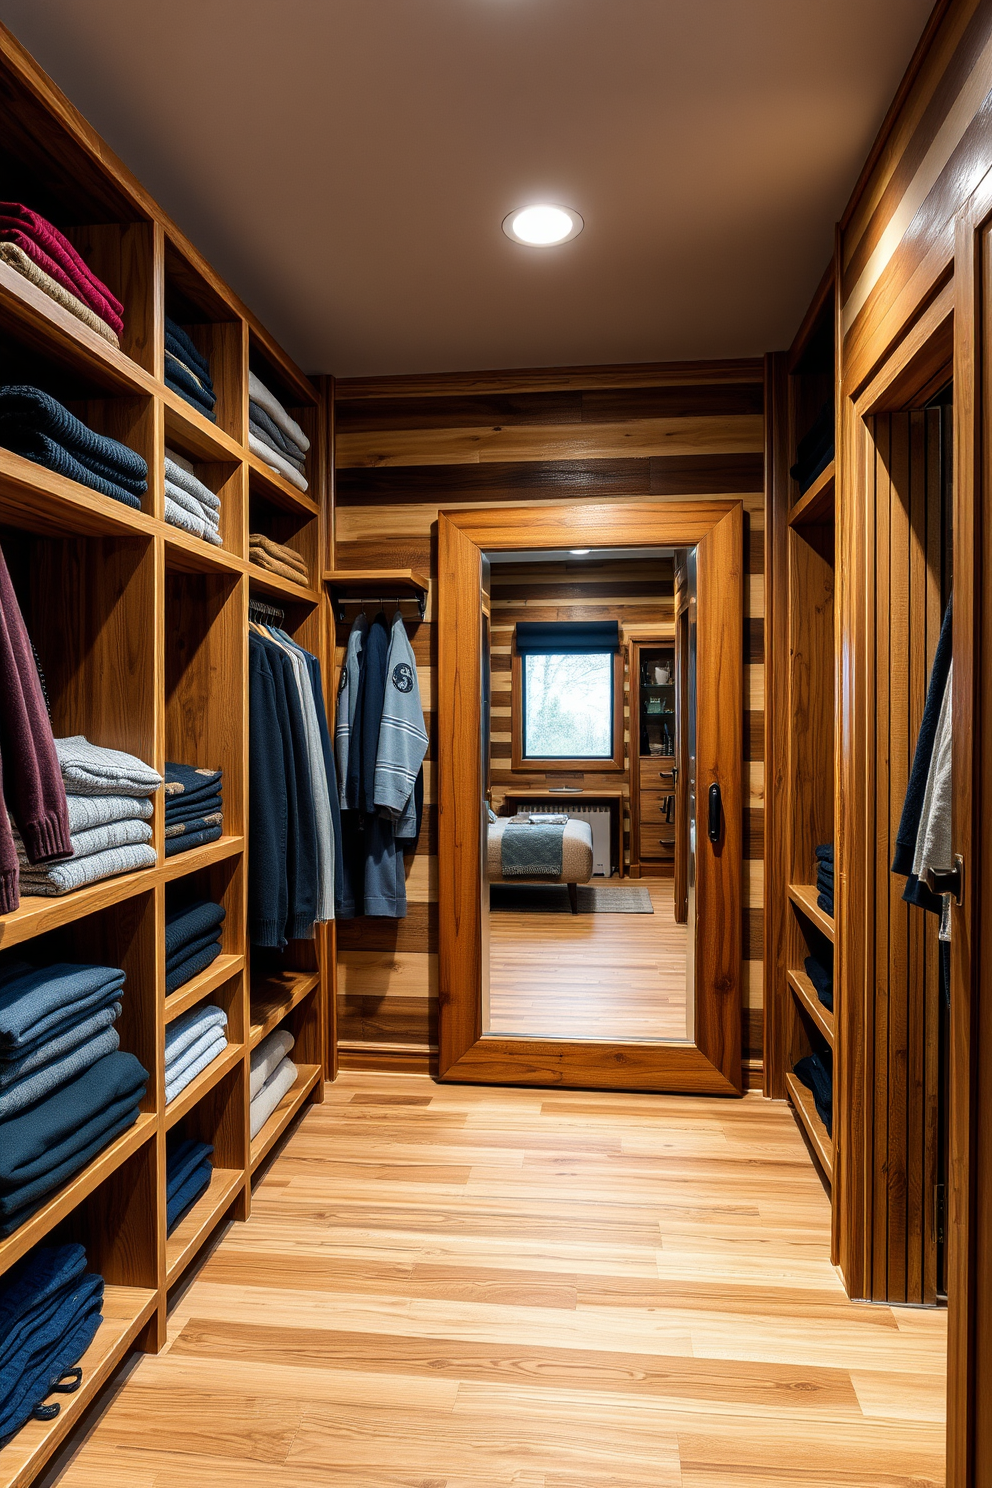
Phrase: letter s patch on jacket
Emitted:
{"points": [[403, 677]]}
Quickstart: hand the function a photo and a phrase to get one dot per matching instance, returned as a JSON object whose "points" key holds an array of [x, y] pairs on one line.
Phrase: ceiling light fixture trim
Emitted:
{"points": [[542, 225]]}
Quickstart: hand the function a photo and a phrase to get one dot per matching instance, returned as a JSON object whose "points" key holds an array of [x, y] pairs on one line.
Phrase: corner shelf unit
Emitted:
{"points": [[141, 630], [373, 585], [804, 549]]}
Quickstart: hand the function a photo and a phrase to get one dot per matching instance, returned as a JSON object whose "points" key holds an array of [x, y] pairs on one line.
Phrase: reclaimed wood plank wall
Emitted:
{"points": [[407, 447]]}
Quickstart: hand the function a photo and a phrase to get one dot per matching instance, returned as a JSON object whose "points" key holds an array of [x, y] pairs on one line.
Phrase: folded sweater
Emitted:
{"points": [[37, 1003], [53, 252], [268, 429], [177, 1081], [259, 393], [180, 810], [41, 1140], [187, 349], [182, 1201], [189, 782], [27, 408], [190, 964], [192, 504], [196, 525], [91, 770], [98, 839], [276, 462], [282, 1080], [280, 551], [28, 269], [262, 559], [182, 1158], [265, 1060], [174, 1068], [203, 838], [264, 437], [67, 877], [69, 1037], [182, 472], [183, 1032], [44, 1081], [179, 377], [195, 826], [188, 922], [45, 1275]]}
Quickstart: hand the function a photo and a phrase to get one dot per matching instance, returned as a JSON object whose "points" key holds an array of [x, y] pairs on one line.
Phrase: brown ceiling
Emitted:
{"points": [[346, 164]]}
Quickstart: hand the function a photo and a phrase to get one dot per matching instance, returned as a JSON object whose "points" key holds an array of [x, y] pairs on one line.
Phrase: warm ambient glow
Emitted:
{"points": [[542, 226]]}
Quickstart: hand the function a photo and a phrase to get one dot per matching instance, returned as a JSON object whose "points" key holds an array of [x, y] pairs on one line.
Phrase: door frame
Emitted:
{"points": [[711, 1065]]}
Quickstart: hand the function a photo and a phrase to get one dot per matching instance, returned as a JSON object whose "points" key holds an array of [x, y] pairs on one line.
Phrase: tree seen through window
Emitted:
{"points": [[568, 706]]}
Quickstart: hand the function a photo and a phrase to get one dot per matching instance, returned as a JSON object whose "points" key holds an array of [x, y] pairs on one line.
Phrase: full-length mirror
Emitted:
{"points": [[589, 832], [588, 851]]}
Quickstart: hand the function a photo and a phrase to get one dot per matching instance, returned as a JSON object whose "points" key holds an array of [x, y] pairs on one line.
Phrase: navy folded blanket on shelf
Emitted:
{"points": [[188, 1172], [37, 1003], [187, 351], [35, 425], [49, 1314], [186, 841], [823, 981], [816, 1073], [44, 1146], [189, 922]]}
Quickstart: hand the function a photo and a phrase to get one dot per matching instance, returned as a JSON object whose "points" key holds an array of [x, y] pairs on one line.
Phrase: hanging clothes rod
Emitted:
{"points": [[340, 600], [258, 610]]}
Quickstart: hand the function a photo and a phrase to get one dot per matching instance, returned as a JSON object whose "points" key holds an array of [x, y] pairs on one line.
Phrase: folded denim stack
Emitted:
{"points": [[187, 371], [41, 1148], [275, 437], [825, 876], [36, 249], [194, 812], [187, 1176], [34, 425], [50, 1311], [816, 1073], [273, 1073], [55, 1023], [278, 559], [109, 809], [190, 504], [192, 941], [822, 978], [191, 1043]]}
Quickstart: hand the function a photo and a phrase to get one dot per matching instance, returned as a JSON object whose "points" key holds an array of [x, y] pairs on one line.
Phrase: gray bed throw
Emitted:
{"points": [[531, 850]]}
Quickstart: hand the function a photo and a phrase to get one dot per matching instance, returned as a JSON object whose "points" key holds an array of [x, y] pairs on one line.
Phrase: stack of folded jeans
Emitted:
{"points": [[822, 978], [187, 371], [278, 559], [36, 249], [273, 1073], [816, 1073], [108, 795], [55, 1022], [191, 1043], [190, 504], [192, 941], [275, 437], [34, 425], [50, 1310], [43, 1147], [194, 812], [187, 1176], [825, 877]]}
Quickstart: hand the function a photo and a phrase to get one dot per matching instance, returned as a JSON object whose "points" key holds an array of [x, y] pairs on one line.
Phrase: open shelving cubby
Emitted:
{"points": [[141, 634], [807, 1023]]}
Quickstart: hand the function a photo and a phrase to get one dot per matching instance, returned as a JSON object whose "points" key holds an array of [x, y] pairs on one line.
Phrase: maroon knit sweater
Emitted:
{"points": [[30, 777]]}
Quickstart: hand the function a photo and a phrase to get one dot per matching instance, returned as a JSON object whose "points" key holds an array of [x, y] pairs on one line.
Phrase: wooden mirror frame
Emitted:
{"points": [[712, 1064]]}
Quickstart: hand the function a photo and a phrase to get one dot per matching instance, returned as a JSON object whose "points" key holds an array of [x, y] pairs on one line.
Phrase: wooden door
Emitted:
{"points": [[681, 766], [711, 1062]]}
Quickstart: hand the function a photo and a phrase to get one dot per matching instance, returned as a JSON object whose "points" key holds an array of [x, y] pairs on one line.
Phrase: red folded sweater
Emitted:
{"points": [[31, 779], [53, 252]]}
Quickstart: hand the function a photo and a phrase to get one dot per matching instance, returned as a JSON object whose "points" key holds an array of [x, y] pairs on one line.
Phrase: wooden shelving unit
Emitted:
{"points": [[375, 584], [142, 630], [803, 814]]}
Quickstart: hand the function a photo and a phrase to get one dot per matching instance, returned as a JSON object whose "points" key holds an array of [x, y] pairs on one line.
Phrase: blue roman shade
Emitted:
{"points": [[567, 637]]}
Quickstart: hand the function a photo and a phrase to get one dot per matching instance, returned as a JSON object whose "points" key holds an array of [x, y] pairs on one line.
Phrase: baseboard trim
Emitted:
{"points": [[387, 1060], [753, 1071]]}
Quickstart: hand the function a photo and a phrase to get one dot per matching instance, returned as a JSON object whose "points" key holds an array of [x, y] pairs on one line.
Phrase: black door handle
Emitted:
{"points": [[947, 880], [715, 814]]}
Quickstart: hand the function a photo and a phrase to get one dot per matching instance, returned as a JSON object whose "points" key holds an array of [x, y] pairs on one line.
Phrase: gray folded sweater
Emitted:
{"points": [[90, 770], [64, 878], [84, 844]]}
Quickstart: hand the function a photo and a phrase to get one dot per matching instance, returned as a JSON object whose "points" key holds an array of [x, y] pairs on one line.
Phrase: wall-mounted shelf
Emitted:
{"points": [[384, 584], [817, 503], [804, 896], [805, 1109]]}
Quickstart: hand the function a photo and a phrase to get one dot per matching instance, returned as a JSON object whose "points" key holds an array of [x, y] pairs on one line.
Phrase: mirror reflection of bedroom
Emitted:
{"points": [[587, 851]]}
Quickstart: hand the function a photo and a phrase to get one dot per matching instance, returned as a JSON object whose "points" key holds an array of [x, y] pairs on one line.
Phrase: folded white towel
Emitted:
{"points": [[282, 1079], [276, 412], [275, 461], [266, 1059]]}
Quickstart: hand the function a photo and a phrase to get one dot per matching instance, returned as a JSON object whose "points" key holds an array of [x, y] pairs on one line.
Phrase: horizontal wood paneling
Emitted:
{"points": [[407, 447]]}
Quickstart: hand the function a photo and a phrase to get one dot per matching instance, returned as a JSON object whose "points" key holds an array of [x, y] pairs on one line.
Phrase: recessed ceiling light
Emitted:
{"points": [[542, 226], [580, 552]]}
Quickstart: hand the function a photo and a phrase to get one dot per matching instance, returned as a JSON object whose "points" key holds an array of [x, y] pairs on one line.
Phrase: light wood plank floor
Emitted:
{"points": [[602, 976], [458, 1287]]}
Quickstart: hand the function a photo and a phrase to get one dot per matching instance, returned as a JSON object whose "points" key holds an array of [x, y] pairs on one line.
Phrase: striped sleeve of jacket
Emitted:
{"points": [[402, 735]]}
